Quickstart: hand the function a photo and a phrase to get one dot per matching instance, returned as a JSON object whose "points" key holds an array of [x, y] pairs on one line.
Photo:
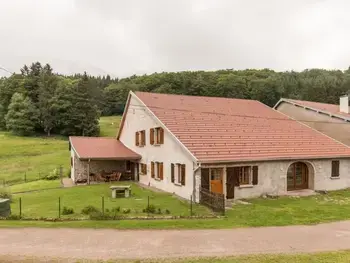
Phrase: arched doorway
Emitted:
{"points": [[297, 176]]}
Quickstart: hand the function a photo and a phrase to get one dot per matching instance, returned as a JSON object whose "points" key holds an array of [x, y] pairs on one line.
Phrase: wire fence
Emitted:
{"points": [[57, 173], [104, 208]]}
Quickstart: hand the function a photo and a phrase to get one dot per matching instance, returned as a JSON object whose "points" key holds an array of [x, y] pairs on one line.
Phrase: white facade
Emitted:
{"points": [[137, 118], [272, 177], [72, 170]]}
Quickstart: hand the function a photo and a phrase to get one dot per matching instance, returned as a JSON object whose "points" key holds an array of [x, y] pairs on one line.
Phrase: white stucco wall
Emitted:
{"points": [[272, 177], [138, 118], [72, 173]]}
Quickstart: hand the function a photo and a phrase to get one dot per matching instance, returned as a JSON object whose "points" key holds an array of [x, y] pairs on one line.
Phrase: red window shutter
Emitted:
{"points": [[161, 171], [152, 169], [172, 173], [161, 135], [137, 142], [236, 172], [151, 136], [255, 175], [183, 174]]}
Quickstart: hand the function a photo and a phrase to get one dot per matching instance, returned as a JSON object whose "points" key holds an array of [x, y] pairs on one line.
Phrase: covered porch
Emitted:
{"points": [[95, 159]]}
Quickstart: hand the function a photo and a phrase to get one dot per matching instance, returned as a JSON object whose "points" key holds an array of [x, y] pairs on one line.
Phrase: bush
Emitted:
{"points": [[126, 210], [115, 209], [159, 211], [67, 211], [54, 175], [150, 209], [99, 216], [87, 210], [5, 193], [68, 174], [13, 217], [167, 212]]}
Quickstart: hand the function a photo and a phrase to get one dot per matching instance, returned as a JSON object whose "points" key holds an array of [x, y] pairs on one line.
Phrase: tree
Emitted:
{"points": [[21, 116], [2, 117]]}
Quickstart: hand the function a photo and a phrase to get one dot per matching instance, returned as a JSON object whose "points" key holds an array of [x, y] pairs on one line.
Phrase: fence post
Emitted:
{"points": [[25, 177], [59, 207], [103, 205], [61, 173], [147, 206], [224, 205], [3, 182], [20, 207], [191, 205]]}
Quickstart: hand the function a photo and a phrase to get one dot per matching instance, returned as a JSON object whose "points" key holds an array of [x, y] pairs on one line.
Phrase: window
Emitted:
{"points": [[246, 175], [128, 166], [178, 173], [140, 138], [335, 169], [143, 168], [156, 136], [157, 170], [216, 174]]}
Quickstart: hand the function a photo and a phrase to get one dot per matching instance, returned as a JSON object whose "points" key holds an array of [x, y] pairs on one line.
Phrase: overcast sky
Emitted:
{"points": [[128, 37]]}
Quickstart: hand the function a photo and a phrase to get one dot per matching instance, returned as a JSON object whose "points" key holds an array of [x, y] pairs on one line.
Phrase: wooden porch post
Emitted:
{"points": [[88, 176]]}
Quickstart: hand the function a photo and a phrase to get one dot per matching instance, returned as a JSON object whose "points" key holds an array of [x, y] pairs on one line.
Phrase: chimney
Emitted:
{"points": [[344, 104]]}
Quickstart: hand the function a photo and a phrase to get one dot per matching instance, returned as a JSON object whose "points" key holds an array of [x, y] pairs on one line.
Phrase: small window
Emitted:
{"points": [[216, 174], [335, 169], [140, 138], [156, 136], [143, 168], [128, 166], [178, 174], [245, 175], [157, 170]]}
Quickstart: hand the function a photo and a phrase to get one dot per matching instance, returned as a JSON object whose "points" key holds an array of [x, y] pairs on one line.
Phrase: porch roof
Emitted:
{"points": [[98, 148]]}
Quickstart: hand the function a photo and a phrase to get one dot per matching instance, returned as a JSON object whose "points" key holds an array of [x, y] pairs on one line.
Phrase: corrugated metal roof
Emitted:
{"points": [[101, 148], [223, 129]]}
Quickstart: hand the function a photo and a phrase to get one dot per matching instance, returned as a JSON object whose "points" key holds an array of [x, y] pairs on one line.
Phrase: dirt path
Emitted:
{"points": [[107, 244]]}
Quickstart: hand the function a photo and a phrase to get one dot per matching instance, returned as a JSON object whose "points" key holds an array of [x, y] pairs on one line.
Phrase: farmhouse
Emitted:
{"points": [[237, 148]]}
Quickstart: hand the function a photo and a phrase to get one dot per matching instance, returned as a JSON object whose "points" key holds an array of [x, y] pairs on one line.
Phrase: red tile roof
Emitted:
{"points": [[329, 108], [101, 148], [223, 129]]}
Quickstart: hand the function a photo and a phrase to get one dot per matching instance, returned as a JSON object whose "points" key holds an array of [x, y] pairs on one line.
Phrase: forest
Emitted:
{"points": [[39, 101]]}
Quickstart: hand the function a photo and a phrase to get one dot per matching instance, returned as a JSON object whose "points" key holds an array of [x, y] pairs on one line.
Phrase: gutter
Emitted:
{"points": [[194, 181]]}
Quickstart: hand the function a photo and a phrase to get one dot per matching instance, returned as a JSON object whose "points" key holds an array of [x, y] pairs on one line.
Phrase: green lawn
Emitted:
{"points": [[31, 157], [334, 206], [36, 185], [326, 257], [109, 126], [45, 203]]}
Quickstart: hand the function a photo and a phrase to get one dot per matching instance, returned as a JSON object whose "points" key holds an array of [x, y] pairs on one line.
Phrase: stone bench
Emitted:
{"points": [[120, 189]]}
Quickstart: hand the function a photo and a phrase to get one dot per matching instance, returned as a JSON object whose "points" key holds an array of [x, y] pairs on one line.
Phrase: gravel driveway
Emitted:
{"points": [[107, 244]]}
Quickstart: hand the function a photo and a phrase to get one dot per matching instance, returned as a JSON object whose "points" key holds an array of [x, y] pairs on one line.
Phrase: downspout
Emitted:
{"points": [[194, 181]]}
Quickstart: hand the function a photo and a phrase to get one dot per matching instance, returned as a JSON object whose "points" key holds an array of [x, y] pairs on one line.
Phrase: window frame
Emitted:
{"points": [[158, 136], [335, 173]]}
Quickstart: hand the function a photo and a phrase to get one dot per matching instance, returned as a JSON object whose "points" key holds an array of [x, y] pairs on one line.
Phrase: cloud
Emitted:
{"points": [[135, 37]]}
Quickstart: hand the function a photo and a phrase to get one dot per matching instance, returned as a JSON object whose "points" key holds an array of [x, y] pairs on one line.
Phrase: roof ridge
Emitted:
{"points": [[193, 96]]}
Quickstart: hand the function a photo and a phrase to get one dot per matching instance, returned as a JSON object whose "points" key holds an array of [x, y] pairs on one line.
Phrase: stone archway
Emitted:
{"points": [[298, 176]]}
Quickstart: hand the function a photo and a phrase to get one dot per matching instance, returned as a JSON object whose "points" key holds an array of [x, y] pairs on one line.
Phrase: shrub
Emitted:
{"points": [[67, 211], [159, 211], [68, 174], [13, 217], [107, 210], [87, 210], [115, 209], [126, 210], [99, 216], [52, 175], [167, 212], [150, 209], [5, 193]]}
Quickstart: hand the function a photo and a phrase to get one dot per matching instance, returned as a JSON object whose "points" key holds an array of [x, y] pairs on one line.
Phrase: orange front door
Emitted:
{"points": [[216, 185]]}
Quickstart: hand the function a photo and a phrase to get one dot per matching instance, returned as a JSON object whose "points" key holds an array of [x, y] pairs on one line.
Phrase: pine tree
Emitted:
{"points": [[21, 116]]}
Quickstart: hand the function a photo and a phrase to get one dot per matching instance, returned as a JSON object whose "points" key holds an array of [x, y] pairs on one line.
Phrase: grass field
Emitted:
{"points": [[334, 206], [45, 203], [31, 157], [327, 257]]}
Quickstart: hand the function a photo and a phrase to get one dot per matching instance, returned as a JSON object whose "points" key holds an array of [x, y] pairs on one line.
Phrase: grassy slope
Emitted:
{"points": [[40, 155], [328, 257], [45, 203]]}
